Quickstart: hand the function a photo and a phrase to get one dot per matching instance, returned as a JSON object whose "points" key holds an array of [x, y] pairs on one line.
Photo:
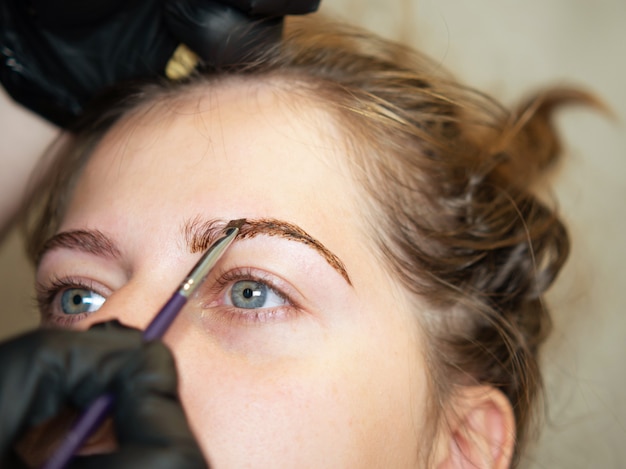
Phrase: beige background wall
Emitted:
{"points": [[507, 47]]}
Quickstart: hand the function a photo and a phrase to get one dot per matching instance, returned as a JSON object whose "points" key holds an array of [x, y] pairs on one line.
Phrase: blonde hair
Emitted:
{"points": [[448, 173]]}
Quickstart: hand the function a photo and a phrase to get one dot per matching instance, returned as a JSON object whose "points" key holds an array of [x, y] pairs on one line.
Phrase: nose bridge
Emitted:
{"points": [[133, 305]]}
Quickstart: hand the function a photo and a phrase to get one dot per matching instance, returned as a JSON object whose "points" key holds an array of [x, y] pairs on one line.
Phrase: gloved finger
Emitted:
{"points": [[275, 7], [55, 56], [13, 461], [138, 457], [221, 35], [44, 370], [150, 423], [57, 14], [170, 444]]}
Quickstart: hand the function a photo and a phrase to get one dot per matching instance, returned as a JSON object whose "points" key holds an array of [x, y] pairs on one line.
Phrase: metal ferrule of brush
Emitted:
{"points": [[206, 263]]}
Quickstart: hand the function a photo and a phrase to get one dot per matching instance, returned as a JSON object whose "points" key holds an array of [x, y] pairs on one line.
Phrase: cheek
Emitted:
{"points": [[278, 414], [346, 406]]}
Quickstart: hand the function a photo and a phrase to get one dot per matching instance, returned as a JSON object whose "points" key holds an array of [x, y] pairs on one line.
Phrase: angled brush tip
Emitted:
{"points": [[235, 224]]}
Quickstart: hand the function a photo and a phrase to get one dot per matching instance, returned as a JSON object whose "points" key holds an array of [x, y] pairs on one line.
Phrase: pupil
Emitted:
{"points": [[76, 299], [247, 293]]}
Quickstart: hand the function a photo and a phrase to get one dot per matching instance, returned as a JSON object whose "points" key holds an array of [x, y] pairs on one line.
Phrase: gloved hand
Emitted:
{"points": [[43, 371], [56, 54]]}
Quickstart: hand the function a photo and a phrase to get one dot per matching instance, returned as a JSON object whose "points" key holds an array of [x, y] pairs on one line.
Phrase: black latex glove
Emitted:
{"points": [[56, 54], [45, 371]]}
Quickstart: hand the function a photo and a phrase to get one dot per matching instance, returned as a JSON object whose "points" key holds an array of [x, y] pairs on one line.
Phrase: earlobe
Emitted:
{"points": [[478, 431]]}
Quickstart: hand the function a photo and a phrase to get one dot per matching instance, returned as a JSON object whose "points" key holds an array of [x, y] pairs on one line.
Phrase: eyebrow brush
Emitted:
{"points": [[95, 414]]}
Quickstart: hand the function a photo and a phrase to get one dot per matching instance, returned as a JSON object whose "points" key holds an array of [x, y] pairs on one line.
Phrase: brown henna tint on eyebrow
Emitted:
{"points": [[199, 235]]}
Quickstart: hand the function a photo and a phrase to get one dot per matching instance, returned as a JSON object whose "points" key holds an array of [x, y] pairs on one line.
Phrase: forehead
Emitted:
{"points": [[246, 119], [258, 147]]}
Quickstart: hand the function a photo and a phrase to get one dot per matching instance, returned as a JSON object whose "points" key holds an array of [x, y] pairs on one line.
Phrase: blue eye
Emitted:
{"points": [[249, 294], [80, 300]]}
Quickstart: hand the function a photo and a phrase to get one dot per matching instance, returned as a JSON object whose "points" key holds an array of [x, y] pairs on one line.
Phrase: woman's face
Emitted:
{"points": [[285, 358]]}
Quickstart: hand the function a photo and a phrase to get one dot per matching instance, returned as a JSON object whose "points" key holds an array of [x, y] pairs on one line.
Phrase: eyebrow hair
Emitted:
{"points": [[199, 234], [90, 241]]}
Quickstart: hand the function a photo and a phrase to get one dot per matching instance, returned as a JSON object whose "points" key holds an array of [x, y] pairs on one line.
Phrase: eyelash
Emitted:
{"points": [[48, 294]]}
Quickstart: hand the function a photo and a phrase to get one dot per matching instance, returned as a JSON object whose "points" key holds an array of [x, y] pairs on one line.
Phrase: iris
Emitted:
{"points": [[80, 300]]}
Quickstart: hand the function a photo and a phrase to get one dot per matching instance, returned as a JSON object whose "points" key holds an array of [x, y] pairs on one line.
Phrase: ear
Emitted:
{"points": [[478, 431]]}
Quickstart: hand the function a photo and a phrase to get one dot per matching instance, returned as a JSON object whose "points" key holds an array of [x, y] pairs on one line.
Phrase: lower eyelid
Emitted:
{"points": [[54, 320], [239, 316]]}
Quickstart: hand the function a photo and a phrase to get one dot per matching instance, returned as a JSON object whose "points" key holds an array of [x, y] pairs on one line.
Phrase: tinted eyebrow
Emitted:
{"points": [[199, 234], [90, 241]]}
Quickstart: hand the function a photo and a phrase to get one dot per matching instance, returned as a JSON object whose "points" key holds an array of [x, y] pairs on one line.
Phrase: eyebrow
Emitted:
{"points": [[198, 235], [89, 241]]}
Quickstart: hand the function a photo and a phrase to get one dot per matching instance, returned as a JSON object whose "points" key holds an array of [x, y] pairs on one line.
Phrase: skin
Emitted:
{"points": [[334, 377]]}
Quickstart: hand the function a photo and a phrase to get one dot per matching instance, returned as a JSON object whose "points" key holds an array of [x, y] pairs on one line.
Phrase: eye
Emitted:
{"points": [[66, 301], [248, 296], [75, 301], [252, 294]]}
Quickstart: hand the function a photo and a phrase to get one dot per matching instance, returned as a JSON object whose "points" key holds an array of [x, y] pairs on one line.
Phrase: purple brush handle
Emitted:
{"points": [[161, 322], [85, 426], [99, 409]]}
